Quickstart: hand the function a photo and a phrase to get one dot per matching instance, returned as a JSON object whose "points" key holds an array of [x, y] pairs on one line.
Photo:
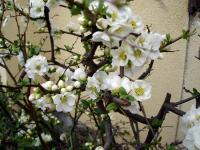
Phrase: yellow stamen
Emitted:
{"points": [[138, 53], [139, 91]]}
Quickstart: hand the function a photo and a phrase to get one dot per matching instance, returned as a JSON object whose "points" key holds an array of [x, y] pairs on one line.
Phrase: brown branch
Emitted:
{"points": [[147, 72], [46, 13], [160, 116], [109, 141], [175, 104]]}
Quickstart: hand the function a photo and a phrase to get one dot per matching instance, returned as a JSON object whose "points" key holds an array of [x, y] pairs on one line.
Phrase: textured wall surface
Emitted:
{"points": [[165, 16], [192, 74]]}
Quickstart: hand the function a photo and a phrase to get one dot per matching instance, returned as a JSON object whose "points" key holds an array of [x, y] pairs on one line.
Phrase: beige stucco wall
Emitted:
{"points": [[165, 17], [192, 73]]}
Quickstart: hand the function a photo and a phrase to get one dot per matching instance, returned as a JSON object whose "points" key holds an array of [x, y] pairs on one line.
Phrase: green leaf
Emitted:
{"points": [[86, 3], [130, 98], [170, 147], [85, 103], [156, 122], [33, 50], [187, 33], [112, 106], [195, 92], [122, 92], [75, 10], [24, 82]]}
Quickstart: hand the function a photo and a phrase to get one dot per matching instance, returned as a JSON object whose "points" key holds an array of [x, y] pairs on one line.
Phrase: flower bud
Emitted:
{"points": [[75, 57], [54, 87], [61, 84], [83, 77], [77, 84], [63, 90], [69, 88], [32, 97]]}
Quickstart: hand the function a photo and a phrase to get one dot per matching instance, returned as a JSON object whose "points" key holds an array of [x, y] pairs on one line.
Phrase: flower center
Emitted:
{"points": [[38, 9], [122, 55], [94, 90], [64, 99], [139, 91], [38, 67], [133, 24], [114, 16], [141, 41], [138, 53]]}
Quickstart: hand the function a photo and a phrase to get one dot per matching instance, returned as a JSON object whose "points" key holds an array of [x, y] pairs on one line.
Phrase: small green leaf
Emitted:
{"points": [[156, 122], [195, 92], [112, 106], [85, 103], [75, 10], [24, 82], [170, 147], [122, 92]]}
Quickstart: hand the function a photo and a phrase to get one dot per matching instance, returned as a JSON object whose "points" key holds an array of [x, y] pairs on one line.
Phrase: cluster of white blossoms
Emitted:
{"points": [[37, 7], [36, 65], [59, 96], [139, 89], [191, 128], [123, 32]]}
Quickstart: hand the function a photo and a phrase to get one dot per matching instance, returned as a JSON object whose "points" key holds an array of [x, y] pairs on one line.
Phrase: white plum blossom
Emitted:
{"points": [[190, 119], [119, 30], [36, 65], [141, 90], [96, 83], [64, 102], [102, 37], [121, 55], [66, 75], [121, 22], [152, 42], [138, 56], [130, 69], [79, 74], [45, 103], [113, 82], [93, 87], [126, 84], [192, 138], [36, 8], [100, 76]]}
